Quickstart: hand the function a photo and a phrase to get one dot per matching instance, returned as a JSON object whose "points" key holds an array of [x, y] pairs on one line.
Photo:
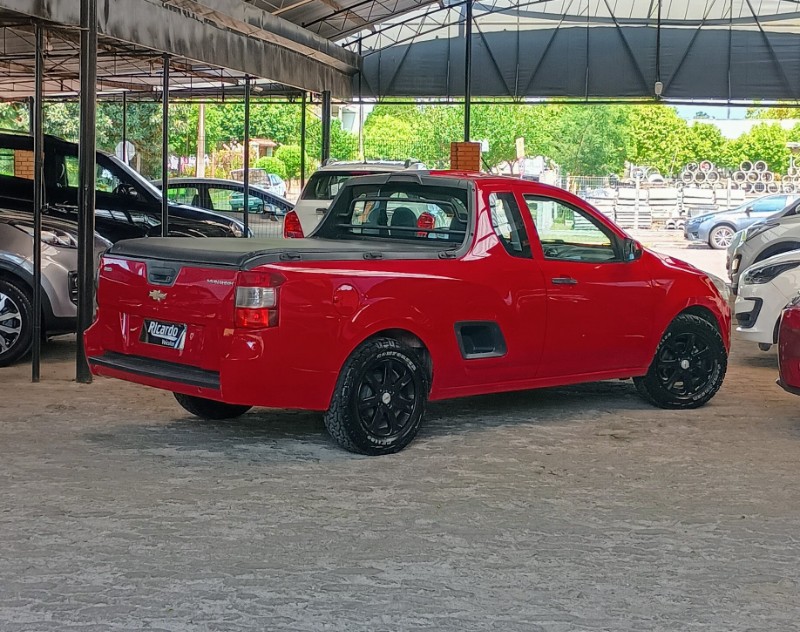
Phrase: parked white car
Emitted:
{"points": [[765, 288], [324, 184], [766, 238]]}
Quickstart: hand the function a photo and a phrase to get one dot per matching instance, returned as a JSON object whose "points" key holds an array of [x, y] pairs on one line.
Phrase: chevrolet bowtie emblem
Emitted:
{"points": [[158, 295]]}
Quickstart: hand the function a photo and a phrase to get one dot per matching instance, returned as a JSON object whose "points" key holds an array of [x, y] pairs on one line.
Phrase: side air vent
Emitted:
{"points": [[480, 340]]}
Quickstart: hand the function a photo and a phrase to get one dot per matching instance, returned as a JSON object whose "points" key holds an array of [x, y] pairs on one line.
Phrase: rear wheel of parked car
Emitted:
{"points": [[720, 237], [16, 322], [688, 367], [380, 398], [209, 408]]}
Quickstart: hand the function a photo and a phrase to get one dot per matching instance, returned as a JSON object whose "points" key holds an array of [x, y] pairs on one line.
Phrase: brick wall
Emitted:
{"points": [[23, 163]]}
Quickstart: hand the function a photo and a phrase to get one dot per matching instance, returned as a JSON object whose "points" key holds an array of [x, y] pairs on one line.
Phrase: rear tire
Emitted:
{"points": [[688, 367], [209, 408], [379, 399], [16, 322]]}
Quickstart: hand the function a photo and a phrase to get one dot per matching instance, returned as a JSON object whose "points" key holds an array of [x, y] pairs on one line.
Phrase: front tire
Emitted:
{"points": [[209, 408], [16, 322], [379, 399], [720, 237], [688, 367]]}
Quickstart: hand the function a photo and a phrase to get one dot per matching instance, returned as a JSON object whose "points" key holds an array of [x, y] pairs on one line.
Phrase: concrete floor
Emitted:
{"points": [[567, 509]]}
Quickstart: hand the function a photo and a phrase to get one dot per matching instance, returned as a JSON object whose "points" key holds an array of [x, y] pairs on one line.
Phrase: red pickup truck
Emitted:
{"points": [[415, 286]]}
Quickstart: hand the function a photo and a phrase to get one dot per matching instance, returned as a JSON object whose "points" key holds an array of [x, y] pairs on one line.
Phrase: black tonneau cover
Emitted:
{"points": [[245, 254]]}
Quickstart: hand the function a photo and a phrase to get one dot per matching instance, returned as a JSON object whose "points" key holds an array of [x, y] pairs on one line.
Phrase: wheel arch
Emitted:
{"points": [[776, 249], [408, 338], [24, 280], [702, 312]]}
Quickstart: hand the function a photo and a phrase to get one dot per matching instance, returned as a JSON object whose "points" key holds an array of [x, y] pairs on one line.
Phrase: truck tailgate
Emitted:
{"points": [[168, 311]]}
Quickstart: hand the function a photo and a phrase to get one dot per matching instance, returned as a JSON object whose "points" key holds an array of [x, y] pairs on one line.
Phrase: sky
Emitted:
{"points": [[717, 112]]}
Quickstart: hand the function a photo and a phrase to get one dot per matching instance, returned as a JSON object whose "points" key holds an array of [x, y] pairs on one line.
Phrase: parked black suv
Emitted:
{"points": [[127, 204]]}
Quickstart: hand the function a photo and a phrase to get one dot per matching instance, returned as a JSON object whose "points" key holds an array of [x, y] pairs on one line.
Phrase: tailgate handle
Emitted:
{"points": [[161, 276]]}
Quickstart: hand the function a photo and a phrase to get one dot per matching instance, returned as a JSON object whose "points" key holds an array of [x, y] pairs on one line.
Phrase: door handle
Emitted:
{"points": [[564, 281]]}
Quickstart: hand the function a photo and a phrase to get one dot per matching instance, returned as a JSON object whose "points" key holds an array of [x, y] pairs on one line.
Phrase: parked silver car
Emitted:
{"points": [[59, 280], [774, 235], [717, 229]]}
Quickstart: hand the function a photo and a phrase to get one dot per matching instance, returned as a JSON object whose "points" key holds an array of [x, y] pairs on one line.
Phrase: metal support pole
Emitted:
{"points": [[38, 201], [361, 112], [165, 149], [31, 101], [467, 70], [125, 127], [303, 142], [246, 196], [326, 126], [86, 181]]}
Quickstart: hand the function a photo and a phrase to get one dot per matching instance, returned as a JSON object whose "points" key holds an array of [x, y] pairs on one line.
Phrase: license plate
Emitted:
{"points": [[164, 334]]}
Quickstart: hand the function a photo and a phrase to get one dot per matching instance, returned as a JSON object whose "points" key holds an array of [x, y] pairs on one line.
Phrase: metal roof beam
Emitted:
{"points": [[223, 33]]}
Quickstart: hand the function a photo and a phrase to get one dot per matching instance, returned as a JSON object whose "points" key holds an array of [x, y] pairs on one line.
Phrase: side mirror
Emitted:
{"points": [[127, 190], [748, 210], [631, 249]]}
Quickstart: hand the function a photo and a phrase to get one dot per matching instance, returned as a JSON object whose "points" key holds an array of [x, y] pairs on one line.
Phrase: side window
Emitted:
{"points": [[226, 199], [106, 181], [568, 233], [184, 195], [508, 225], [770, 205]]}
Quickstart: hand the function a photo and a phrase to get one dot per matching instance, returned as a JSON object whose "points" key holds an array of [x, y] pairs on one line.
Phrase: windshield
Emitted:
{"points": [[136, 178], [413, 212]]}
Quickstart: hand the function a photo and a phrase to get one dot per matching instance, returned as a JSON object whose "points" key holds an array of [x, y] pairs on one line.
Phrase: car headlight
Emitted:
{"points": [[721, 285], [765, 274], [52, 236]]}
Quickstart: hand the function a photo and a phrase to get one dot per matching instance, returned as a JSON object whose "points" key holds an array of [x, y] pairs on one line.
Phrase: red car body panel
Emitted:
{"points": [[789, 350], [607, 325]]}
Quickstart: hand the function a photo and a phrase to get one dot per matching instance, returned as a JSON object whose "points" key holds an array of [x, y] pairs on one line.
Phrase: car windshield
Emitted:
{"points": [[423, 214]]}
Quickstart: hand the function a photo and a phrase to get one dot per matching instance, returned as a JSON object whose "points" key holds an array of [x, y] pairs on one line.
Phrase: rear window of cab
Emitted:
{"points": [[423, 214]]}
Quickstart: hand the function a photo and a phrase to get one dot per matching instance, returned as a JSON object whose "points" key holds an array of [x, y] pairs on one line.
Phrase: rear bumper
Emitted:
{"points": [[157, 369], [255, 368]]}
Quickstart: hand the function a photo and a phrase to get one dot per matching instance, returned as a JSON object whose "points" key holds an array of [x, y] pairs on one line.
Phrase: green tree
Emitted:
{"points": [[289, 155], [763, 142], [590, 140], [272, 165], [387, 137], [656, 137], [702, 141], [14, 116], [772, 113]]}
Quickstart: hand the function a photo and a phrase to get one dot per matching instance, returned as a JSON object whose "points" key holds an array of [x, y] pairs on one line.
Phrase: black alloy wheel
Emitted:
{"points": [[689, 365], [379, 398], [685, 365], [386, 397]]}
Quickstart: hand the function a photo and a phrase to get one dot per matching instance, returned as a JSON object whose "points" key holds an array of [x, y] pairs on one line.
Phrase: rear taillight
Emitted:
{"points": [[425, 220], [292, 229], [257, 300]]}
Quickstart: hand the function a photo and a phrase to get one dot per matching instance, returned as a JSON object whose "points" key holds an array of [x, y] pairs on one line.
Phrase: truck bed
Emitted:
{"points": [[245, 254]]}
